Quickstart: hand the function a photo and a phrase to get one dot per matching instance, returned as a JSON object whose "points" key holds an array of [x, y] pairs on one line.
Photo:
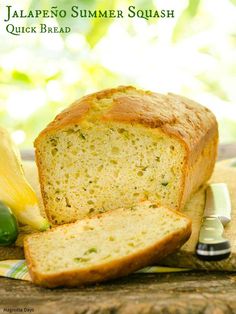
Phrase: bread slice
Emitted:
{"points": [[105, 246], [121, 146]]}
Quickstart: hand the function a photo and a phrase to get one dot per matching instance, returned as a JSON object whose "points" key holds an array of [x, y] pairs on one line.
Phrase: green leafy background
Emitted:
{"points": [[193, 54]]}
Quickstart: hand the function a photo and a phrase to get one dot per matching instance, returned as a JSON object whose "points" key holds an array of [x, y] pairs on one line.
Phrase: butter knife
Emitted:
{"points": [[212, 246]]}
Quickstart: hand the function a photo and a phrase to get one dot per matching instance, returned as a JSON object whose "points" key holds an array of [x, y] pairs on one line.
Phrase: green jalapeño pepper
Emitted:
{"points": [[8, 226]]}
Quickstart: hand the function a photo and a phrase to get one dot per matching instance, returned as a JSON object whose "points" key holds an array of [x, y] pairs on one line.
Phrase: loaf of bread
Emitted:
{"points": [[105, 246], [118, 147]]}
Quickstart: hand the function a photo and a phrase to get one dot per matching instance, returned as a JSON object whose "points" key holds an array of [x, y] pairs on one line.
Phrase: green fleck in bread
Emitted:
{"points": [[105, 246], [121, 146]]}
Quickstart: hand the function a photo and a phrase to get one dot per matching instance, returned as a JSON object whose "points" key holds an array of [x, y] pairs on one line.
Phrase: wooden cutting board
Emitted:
{"points": [[225, 171]]}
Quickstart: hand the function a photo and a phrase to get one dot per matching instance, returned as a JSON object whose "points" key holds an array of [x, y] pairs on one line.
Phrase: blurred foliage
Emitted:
{"points": [[185, 18], [193, 54]]}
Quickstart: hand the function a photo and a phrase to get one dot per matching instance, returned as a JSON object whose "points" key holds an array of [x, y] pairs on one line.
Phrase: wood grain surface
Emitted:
{"points": [[188, 292], [225, 171], [185, 293]]}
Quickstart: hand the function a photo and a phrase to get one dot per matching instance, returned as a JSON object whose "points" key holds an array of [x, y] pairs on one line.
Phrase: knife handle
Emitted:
{"points": [[218, 202], [213, 251]]}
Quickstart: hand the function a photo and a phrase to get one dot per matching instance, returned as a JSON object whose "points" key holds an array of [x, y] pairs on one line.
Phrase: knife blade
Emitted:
{"points": [[212, 246]]}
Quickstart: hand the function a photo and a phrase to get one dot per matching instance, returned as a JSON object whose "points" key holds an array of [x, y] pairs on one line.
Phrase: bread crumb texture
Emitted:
{"points": [[106, 238], [121, 146]]}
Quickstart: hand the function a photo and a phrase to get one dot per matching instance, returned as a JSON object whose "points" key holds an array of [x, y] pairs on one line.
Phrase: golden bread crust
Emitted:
{"points": [[190, 123], [174, 114], [109, 270]]}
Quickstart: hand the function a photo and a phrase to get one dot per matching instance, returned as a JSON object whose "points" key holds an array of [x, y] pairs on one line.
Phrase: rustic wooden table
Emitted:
{"points": [[185, 292]]}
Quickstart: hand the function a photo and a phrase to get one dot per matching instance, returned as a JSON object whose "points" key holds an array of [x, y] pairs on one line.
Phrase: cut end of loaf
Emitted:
{"points": [[121, 146], [94, 167], [106, 246]]}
